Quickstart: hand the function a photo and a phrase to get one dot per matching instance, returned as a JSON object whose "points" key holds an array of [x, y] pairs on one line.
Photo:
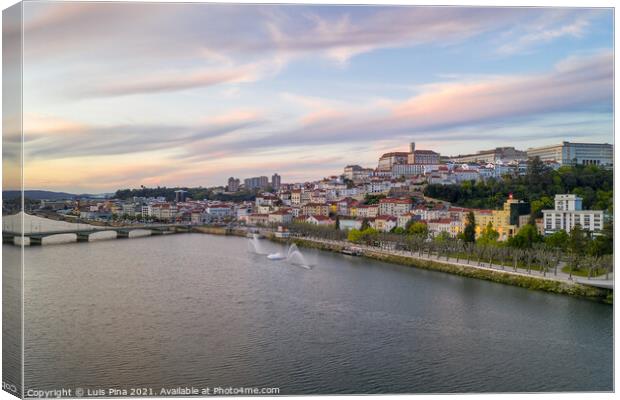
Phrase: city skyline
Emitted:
{"points": [[300, 90]]}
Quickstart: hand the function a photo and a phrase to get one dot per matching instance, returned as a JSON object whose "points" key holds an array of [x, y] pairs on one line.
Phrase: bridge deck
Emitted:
{"points": [[604, 284], [96, 229]]}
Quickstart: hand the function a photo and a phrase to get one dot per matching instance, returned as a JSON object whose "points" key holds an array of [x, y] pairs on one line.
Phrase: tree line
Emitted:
{"points": [[538, 186], [576, 253], [196, 193]]}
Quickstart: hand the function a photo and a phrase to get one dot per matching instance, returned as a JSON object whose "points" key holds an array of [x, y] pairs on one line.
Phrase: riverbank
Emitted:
{"points": [[505, 277], [218, 230]]}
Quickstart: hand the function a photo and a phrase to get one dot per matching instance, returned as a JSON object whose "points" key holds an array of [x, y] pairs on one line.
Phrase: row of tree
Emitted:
{"points": [[196, 193], [574, 252]]}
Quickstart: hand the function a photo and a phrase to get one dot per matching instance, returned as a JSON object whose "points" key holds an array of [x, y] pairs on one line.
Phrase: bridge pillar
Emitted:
{"points": [[122, 234], [8, 238], [36, 241], [82, 237]]}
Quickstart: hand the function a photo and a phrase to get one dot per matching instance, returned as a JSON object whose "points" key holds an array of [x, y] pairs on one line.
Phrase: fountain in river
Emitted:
{"points": [[292, 255], [295, 257], [255, 245]]}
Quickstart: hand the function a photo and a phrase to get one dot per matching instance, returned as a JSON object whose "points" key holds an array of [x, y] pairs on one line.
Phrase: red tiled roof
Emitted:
{"points": [[395, 154], [315, 205], [281, 212], [387, 218], [397, 201]]}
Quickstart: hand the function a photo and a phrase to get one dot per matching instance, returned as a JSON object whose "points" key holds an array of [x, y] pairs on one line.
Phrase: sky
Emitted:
{"points": [[118, 95]]}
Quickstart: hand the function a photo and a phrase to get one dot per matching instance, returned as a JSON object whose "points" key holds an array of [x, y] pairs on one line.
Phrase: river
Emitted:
{"points": [[205, 311]]}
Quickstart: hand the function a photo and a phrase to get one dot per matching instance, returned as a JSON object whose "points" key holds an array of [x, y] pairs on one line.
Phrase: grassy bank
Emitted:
{"points": [[218, 230], [533, 283]]}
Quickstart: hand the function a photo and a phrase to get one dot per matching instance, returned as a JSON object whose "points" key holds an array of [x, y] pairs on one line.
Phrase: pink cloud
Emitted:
{"points": [[576, 82]]}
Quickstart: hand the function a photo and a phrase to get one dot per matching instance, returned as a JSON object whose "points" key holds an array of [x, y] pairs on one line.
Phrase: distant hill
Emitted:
{"points": [[48, 195]]}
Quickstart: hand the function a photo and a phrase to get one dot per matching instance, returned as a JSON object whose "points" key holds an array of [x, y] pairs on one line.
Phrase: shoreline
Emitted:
{"points": [[591, 293]]}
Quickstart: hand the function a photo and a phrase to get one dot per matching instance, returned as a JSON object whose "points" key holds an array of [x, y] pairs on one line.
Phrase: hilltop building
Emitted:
{"points": [[568, 153], [426, 157], [356, 173], [499, 154], [414, 162], [388, 160]]}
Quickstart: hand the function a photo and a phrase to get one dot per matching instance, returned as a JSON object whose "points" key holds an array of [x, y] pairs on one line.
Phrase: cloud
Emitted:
{"points": [[343, 35], [169, 82], [576, 84], [92, 60], [65, 139], [554, 25], [127, 37]]}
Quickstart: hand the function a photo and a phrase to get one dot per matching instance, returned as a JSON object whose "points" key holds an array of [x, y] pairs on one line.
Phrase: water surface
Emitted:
{"points": [[201, 310]]}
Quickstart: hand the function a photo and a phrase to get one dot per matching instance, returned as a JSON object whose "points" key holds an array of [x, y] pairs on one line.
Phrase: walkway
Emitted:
{"points": [[559, 276]]}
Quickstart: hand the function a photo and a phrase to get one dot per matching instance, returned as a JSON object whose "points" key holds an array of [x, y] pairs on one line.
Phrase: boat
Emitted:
{"points": [[276, 256], [352, 251]]}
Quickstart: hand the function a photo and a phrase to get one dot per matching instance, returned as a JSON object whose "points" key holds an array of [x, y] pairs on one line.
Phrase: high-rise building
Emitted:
{"points": [[568, 153], [233, 184], [276, 181], [256, 182], [180, 195]]}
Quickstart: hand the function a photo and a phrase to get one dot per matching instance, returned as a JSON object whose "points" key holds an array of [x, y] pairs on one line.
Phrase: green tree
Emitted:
{"points": [[374, 198], [469, 233], [365, 225], [577, 241], [363, 236], [602, 243], [525, 238], [443, 237], [418, 229], [399, 230], [355, 236], [488, 236], [337, 223], [557, 240], [544, 203]]}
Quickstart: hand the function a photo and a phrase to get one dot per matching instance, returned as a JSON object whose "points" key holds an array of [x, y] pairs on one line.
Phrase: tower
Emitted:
{"points": [[276, 181], [411, 155]]}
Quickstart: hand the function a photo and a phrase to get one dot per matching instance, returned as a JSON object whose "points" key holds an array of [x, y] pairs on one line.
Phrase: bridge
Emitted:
{"points": [[599, 283], [83, 235]]}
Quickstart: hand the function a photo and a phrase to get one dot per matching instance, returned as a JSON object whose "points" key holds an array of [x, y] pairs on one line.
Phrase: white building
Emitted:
{"points": [[394, 207], [219, 211], [367, 211], [283, 217], [350, 223], [568, 213], [568, 153], [406, 170], [384, 223]]}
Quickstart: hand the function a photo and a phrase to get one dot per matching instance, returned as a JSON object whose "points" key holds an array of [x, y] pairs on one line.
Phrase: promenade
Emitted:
{"points": [[601, 281]]}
